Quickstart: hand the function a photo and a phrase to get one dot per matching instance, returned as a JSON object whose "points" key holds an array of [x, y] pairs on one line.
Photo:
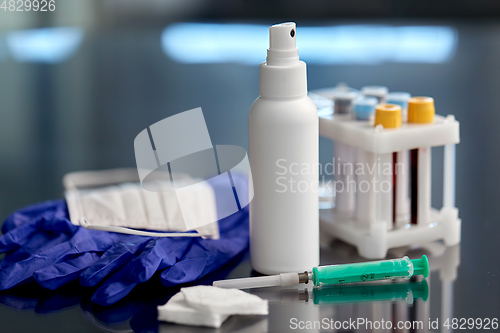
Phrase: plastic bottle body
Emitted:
{"points": [[361, 272], [284, 153]]}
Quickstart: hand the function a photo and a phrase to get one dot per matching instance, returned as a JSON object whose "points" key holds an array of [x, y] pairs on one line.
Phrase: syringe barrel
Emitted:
{"points": [[361, 272]]}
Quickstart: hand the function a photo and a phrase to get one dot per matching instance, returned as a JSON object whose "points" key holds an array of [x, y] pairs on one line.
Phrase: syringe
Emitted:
{"points": [[403, 268]]}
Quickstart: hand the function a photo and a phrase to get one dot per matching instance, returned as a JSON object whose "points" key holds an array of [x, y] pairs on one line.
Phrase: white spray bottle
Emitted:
{"points": [[283, 152]]}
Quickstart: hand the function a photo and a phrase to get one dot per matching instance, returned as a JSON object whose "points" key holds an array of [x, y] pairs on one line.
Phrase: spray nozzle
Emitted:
{"points": [[282, 47]]}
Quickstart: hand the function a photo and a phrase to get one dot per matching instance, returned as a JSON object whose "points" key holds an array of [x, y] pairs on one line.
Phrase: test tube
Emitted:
{"points": [[343, 97], [389, 116], [401, 162], [420, 111], [345, 155], [378, 92], [345, 184], [364, 109]]}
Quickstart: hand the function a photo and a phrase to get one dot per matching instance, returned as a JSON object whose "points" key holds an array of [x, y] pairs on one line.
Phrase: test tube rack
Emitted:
{"points": [[377, 220]]}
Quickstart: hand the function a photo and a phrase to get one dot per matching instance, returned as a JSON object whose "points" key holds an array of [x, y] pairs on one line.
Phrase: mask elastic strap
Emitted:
{"points": [[129, 231]]}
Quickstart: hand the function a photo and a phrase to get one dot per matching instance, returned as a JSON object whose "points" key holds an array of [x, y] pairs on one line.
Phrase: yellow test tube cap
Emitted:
{"points": [[388, 115], [421, 110]]}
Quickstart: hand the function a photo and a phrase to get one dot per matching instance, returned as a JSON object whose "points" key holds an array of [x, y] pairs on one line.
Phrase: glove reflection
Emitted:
{"points": [[137, 311]]}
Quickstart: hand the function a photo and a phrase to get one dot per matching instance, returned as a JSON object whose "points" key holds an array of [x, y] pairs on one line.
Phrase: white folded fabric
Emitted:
{"points": [[110, 199], [224, 301], [178, 311], [210, 306]]}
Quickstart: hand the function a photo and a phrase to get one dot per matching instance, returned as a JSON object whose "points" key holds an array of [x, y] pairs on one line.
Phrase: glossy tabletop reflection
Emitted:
{"points": [[414, 302]]}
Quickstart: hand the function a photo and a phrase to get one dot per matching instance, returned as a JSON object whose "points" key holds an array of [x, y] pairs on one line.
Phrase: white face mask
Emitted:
{"points": [[114, 200], [172, 189]]}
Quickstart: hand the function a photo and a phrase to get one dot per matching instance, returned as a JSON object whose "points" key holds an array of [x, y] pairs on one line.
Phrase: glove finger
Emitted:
{"points": [[17, 237], [59, 225], [82, 241], [116, 287], [48, 209], [158, 254], [110, 261], [206, 255], [35, 244], [14, 275], [22, 271], [197, 263], [190, 267], [120, 284], [20, 236], [61, 273], [185, 271]]}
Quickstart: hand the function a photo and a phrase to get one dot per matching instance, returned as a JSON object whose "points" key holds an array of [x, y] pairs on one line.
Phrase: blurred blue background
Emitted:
{"points": [[79, 83]]}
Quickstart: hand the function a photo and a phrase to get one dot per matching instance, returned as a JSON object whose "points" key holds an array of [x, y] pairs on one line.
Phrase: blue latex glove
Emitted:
{"points": [[184, 260], [143, 256], [201, 257], [139, 309], [52, 250], [205, 256], [50, 247]]}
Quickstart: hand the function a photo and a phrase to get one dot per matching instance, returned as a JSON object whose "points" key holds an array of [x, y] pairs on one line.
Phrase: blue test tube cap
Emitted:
{"points": [[364, 107], [398, 98]]}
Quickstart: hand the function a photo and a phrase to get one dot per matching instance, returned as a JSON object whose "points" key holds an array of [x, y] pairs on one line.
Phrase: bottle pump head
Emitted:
{"points": [[282, 46], [283, 75]]}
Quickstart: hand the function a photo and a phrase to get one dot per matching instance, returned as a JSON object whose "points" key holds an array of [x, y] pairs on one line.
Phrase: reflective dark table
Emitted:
{"points": [[84, 112], [400, 306]]}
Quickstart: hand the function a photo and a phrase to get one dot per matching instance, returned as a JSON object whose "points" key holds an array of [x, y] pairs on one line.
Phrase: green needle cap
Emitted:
{"points": [[421, 266]]}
